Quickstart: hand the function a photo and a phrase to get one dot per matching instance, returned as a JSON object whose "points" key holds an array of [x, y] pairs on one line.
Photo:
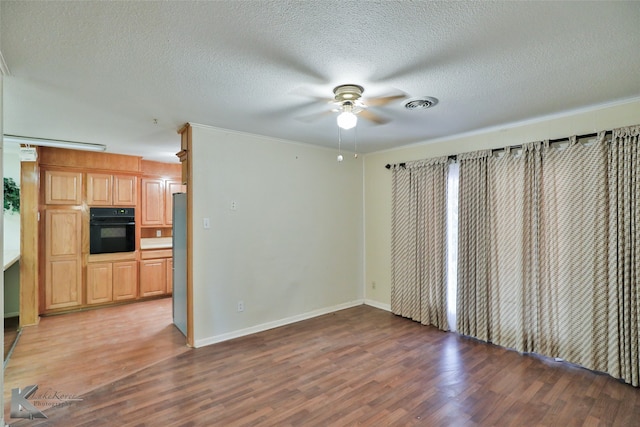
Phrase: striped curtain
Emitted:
{"points": [[418, 241], [513, 201], [624, 255], [498, 246], [473, 299], [572, 290], [548, 251]]}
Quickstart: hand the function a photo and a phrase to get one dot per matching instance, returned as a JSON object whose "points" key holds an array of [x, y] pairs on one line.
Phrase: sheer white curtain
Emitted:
{"points": [[452, 242]]}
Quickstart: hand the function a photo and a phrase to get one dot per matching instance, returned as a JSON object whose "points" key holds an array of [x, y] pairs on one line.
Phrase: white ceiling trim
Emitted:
{"points": [[273, 139], [520, 123]]}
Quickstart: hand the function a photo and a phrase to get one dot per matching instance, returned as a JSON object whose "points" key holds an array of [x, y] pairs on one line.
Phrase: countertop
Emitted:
{"points": [[10, 257], [156, 243]]}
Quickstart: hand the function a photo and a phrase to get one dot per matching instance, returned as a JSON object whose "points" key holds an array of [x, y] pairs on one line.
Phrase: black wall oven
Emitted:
{"points": [[112, 230]]}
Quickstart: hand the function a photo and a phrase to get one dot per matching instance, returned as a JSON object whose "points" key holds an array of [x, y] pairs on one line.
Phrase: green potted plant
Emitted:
{"points": [[11, 195]]}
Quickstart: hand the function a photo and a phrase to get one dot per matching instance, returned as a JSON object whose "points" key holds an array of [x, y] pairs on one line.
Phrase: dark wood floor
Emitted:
{"points": [[361, 366]]}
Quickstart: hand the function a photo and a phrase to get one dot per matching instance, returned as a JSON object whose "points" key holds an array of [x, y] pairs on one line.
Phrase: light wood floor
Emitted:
{"points": [[360, 366]]}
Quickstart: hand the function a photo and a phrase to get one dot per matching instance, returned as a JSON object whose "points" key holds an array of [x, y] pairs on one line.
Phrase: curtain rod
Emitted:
{"points": [[454, 157]]}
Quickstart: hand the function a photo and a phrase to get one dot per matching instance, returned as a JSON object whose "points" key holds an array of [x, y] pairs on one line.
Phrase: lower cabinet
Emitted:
{"points": [[111, 281], [153, 277], [99, 283], [125, 280], [156, 272]]}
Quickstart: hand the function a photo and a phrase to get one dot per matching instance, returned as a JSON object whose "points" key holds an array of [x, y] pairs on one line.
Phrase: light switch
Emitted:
{"points": [[205, 222]]}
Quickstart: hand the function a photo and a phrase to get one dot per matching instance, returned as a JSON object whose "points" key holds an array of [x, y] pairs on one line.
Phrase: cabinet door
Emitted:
{"points": [[125, 280], [171, 187], [124, 190], [63, 261], [63, 188], [153, 277], [169, 275], [152, 201], [99, 189], [99, 282]]}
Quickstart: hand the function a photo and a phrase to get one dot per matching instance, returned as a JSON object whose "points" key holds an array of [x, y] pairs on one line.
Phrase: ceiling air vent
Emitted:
{"points": [[420, 103]]}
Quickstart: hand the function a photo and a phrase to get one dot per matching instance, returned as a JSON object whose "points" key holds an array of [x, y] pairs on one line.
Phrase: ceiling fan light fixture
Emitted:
{"points": [[347, 120]]}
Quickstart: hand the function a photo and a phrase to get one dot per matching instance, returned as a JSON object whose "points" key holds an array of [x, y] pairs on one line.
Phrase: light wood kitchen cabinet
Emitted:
{"points": [[111, 190], [170, 188], [153, 277], [99, 189], [125, 280], [157, 201], [124, 190], [152, 202], [63, 261], [62, 188], [99, 282], [111, 281]]}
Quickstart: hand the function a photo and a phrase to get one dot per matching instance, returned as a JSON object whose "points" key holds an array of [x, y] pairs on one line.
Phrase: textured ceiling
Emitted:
{"points": [[101, 72]]}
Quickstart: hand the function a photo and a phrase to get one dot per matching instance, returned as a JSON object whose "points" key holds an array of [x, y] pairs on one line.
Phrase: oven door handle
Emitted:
{"points": [[111, 223]]}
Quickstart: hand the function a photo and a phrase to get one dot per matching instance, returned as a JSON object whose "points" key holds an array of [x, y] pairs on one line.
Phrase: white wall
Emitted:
{"points": [[378, 179], [291, 250]]}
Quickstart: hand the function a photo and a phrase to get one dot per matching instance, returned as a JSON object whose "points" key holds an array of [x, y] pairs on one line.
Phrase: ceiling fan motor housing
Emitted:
{"points": [[349, 92]]}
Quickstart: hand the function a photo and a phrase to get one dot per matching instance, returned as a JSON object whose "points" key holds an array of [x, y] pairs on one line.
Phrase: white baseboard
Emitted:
{"points": [[376, 304], [277, 323]]}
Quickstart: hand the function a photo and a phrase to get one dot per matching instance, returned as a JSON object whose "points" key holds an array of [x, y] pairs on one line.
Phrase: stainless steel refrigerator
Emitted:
{"points": [[180, 261]]}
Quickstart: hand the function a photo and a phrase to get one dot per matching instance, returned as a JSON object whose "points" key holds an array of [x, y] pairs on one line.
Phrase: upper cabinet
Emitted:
{"points": [[124, 190], [63, 188], [170, 188], [111, 190], [152, 202], [157, 201]]}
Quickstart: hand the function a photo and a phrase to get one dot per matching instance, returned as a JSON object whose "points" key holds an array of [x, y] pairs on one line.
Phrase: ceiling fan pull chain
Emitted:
{"points": [[355, 143], [339, 145]]}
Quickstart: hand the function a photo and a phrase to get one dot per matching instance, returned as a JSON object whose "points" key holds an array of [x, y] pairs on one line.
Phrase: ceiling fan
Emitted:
{"points": [[349, 103]]}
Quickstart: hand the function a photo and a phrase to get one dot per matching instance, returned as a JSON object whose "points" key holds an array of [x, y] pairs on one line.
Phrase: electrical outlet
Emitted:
{"points": [[234, 205], [373, 284], [158, 233], [240, 306]]}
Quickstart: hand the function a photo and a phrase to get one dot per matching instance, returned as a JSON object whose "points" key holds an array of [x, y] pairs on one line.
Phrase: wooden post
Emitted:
{"points": [[29, 235]]}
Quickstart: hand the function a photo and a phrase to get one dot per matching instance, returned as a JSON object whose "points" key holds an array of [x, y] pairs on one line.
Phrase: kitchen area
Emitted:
{"points": [[102, 225]]}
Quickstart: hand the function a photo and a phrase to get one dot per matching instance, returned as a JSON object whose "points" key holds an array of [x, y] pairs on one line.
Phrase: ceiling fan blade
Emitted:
{"points": [[315, 116], [308, 94], [382, 100], [373, 117]]}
